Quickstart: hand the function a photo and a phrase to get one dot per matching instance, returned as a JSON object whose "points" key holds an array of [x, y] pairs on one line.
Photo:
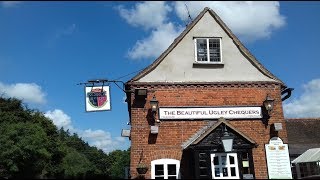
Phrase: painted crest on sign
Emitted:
{"points": [[97, 98]]}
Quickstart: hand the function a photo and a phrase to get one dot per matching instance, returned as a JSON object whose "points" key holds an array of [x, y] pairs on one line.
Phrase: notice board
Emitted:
{"points": [[278, 161]]}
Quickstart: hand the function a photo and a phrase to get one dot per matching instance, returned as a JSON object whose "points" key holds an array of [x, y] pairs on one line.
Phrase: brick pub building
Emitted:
{"points": [[208, 86]]}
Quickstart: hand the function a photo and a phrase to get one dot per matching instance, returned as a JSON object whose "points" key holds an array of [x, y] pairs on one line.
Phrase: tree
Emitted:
{"points": [[23, 149], [97, 157], [31, 146], [119, 160], [29, 141], [76, 165]]}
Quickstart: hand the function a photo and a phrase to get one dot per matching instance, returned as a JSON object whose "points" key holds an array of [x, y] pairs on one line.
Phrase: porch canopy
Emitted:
{"points": [[311, 155]]}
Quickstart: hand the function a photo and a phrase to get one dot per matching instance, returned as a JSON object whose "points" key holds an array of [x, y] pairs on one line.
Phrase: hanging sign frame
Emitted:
{"points": [[97, 98]]}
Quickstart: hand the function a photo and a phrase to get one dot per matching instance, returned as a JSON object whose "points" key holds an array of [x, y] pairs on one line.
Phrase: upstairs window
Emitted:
{"points": [[208, 50]]}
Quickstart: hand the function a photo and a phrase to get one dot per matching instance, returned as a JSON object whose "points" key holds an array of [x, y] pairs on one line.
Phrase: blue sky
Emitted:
{"points": [[47, 48]]}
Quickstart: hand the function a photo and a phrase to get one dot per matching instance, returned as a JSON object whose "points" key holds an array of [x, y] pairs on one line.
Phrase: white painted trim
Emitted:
{"points": [[221, 59], [227, 165], [195, 50], [106, 106], [165, 162], [208, 51]]}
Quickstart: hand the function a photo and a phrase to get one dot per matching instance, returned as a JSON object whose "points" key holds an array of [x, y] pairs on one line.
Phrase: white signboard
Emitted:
{"points": [[210, 113], [97, 98], [278, 160]]}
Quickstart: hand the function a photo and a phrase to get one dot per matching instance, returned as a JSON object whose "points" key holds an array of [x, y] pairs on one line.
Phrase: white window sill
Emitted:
{"points": [[205, 62]]}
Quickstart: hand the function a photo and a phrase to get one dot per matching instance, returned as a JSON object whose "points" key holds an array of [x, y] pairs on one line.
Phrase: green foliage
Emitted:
{"points": [[23, 148], [76, 164], [32, 147], [96, 157], [119, 159]]}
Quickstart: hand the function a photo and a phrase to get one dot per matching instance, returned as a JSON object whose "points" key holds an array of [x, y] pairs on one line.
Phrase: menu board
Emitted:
{"points": [[278, 160]]}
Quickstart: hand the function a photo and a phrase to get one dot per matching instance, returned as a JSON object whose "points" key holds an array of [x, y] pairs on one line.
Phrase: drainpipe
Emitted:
{"points": [[286, 91]]}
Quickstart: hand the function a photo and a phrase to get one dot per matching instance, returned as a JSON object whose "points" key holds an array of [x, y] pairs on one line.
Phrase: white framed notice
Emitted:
{"points": [[97, 98], [278, 161], [209, 112]]}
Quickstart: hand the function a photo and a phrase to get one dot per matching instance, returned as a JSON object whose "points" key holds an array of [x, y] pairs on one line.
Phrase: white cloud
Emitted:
{"points": [[98, 138], [307, 105], [156, 43], [249, 20], [120, 139], [102, 139], [60, 119], [146, 14], [28, 92], [152, 16], [9, 4]]}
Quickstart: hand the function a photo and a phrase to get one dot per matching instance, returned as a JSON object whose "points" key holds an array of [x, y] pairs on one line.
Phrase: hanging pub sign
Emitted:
{"points": [[97, 98]]}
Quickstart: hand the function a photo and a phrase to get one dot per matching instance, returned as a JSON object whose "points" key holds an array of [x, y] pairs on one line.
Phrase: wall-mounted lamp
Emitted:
{"points": [[154, 107], [154, 104], [227, 140], [268, 103]]}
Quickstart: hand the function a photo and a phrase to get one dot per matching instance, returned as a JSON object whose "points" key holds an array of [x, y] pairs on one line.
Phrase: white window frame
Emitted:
{"points": [[228, 165], [165, 163], [208, 52]]}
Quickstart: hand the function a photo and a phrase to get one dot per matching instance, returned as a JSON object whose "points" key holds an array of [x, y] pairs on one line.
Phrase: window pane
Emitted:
{"points": [[216, 160], [159, 177], [231, 159], [214, 50], [217, 172], [233, 171], [202, 50], [246, 170], [223, 160], [225, 172], [172, 169], [159, 169]]}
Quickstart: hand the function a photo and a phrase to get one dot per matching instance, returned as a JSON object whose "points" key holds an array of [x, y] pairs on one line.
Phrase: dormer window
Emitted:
{"points": [[208, 50]]}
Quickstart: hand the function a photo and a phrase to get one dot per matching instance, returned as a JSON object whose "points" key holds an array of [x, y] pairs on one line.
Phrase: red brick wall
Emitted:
{"points": [[172, 134]]}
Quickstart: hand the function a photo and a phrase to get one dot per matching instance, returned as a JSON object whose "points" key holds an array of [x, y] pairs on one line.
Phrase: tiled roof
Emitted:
{"points": [[202, 133], [303, 134], [197, 135]]}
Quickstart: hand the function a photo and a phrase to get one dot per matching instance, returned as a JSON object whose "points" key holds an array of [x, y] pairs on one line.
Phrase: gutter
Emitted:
{"points": [[286, 91]]}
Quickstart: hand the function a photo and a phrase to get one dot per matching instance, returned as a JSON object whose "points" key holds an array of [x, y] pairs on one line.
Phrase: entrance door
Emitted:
{"points": [[224, 166]]}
